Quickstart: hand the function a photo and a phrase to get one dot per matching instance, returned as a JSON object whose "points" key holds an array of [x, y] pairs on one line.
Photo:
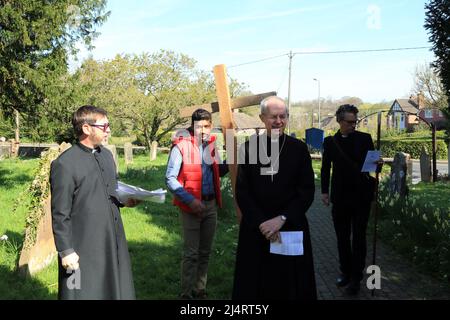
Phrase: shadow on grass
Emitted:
{"points": [[157, 265], [9, 179], [14, 285]]}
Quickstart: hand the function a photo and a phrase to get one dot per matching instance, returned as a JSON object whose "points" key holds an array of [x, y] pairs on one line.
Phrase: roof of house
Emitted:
{"points": [[407, 105], [242, 121]]}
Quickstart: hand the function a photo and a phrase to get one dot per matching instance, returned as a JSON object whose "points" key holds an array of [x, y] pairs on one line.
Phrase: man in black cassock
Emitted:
{"points": [[351, 194], [93, 261], [273, 194]]}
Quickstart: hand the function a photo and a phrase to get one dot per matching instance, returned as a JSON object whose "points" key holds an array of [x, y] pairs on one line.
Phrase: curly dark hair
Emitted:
{"points": [[345, 108]]}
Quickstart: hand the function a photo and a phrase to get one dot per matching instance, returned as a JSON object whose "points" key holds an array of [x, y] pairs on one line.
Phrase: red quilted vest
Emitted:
{"points": [[190, 175]]}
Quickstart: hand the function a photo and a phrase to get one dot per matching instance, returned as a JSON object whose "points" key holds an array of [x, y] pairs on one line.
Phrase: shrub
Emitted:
{"points": [[413, 147]]}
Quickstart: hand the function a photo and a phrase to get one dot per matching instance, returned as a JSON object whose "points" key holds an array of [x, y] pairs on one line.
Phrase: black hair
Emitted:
{"points": [[86, 114], [345, 108], [200, 114]]}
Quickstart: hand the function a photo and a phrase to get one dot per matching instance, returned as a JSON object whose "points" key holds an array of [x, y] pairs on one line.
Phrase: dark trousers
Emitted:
{"points": [[350, 224]]}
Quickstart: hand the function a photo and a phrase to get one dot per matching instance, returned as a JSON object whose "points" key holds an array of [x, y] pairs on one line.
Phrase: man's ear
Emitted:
{"points": [[86, 129]]}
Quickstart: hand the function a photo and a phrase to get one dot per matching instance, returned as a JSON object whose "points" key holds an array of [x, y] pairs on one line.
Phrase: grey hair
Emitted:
{"points": [[340, 113], [263, 104]]}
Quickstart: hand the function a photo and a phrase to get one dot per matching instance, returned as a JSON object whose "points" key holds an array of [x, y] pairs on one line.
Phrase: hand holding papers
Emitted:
{"points": [[126, 191], [372, 158], [291, 244]]}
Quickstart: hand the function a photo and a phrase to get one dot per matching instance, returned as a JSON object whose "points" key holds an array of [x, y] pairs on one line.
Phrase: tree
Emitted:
{"points": [[146, 92], [437, 22], [429, 83], [36, 37]]}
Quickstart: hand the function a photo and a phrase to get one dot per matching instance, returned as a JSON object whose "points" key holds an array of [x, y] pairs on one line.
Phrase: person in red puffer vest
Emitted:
{"points": [[193, 176]]}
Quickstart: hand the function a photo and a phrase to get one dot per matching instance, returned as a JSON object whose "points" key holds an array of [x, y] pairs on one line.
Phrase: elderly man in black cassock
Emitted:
{"points": [[93, 261], [273, 190]]}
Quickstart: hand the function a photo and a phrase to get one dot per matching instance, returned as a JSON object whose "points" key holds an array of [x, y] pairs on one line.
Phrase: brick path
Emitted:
{"points": [[399, 280]]}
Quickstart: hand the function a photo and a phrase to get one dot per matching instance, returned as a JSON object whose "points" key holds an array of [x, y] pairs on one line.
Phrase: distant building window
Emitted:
{"points": [[428, 113]]}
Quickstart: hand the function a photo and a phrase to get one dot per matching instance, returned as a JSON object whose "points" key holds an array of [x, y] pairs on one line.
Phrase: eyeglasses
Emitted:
{"points": [[103, 127], [351, 121]]}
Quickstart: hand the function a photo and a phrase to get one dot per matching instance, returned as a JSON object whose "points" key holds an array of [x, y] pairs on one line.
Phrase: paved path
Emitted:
{"points": [[399, 280]]}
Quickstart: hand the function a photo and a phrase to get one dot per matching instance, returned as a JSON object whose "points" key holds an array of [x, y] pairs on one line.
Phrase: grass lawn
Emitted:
{"points": [[153, 233], [15, 177]]}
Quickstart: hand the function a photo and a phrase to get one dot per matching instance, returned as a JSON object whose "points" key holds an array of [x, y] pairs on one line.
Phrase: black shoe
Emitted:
{"points": [[342, 280], [353, 288]]}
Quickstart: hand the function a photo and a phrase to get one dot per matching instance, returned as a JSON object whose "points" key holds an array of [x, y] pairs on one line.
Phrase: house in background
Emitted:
{"points": [[403, 113]]}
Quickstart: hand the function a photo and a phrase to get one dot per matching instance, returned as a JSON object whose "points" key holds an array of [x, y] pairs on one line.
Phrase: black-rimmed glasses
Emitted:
{"points": [[103, 127]]}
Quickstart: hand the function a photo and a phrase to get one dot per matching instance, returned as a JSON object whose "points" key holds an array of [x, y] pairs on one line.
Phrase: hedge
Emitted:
{"points": [[414, 147]]}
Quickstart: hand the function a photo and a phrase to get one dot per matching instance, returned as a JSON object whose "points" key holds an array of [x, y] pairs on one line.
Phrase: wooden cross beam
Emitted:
{"points": [[237, 103], [224, 106]]}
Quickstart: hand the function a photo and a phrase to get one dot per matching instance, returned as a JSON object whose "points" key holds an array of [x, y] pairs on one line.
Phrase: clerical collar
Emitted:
{"points": [[280, 137], [87, 149]]}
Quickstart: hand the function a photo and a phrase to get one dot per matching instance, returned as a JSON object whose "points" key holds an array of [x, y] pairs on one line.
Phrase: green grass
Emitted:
{"points": [[15, 177], [153, 232], [418, 226], [120, 141], [154, 238]]}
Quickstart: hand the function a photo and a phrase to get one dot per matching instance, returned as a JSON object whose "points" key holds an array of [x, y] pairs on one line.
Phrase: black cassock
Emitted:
{"points": [[86, 219], [258, 273]]}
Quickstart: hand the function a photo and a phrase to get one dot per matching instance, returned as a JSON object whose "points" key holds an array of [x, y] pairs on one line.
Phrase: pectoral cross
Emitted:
{"points": [[270, 172]]}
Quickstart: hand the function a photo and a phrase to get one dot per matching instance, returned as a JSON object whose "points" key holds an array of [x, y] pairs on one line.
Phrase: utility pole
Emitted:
{"points": [[318, 100], [289, 92]]}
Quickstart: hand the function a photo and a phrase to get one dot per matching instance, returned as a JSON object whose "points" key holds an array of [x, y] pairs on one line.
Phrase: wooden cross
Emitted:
{"points": [[224, 106]]}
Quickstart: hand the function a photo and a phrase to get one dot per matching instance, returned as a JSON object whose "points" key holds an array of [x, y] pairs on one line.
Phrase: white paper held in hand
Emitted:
{"points": [[369, 163], [126, 191], [291, 244]]}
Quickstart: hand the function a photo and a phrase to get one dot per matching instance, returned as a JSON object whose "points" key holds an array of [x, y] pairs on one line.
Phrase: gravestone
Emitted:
{"points": [[112, 148], [153, 150], [425, 166], [14, 148], [5, 149], [38, 248], [399, 173], [128, 153]]}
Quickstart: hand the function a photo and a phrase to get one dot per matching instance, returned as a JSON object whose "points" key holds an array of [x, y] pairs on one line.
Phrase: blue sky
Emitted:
{"points": [[233, 32]]}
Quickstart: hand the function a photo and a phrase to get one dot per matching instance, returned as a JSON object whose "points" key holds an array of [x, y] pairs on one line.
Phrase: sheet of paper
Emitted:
{"points": [[126, 191], [291, 244], [371, 157]]}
